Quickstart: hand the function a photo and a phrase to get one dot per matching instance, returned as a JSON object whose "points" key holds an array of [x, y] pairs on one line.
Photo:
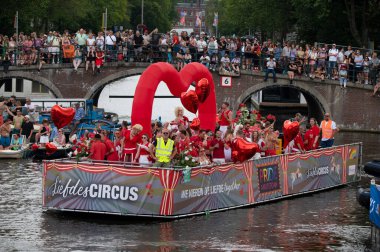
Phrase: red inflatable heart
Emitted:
{"points": [[50, 148], [290, 131], [177, 82], [190, 101], [195, 124], [61, 116], [243, 150], [202, 89]]}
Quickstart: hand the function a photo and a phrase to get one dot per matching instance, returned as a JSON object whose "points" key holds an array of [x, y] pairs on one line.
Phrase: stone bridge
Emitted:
{"points": [[352, 108]]}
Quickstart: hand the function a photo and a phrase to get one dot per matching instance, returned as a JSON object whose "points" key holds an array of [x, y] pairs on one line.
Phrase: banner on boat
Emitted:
{"points": [[107, 188], [374, 208]]}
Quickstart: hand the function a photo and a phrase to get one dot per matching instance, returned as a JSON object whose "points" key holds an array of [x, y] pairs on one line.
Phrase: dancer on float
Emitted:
{"points": [[143, 155], [180, 122], [225, 117], [129, 142]]}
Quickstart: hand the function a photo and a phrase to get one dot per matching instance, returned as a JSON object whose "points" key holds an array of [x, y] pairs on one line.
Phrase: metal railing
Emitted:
{"points": [[125, 52]]}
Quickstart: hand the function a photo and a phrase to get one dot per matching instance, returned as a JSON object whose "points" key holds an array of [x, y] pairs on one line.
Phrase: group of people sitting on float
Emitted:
{"points": [[180, 138], [17, 125]]}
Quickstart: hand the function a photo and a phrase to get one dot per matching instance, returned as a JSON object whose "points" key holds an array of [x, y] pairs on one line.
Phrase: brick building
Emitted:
{"points": [[188, 11]]}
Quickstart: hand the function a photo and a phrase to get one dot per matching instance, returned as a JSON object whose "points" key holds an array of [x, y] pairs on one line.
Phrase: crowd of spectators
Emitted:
{"points": [[227, 54]]}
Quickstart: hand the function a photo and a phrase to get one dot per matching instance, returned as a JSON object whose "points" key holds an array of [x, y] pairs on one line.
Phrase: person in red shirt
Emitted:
{"points": [[316, 131], [183, 141], [217, 147], [298, 141], [130, 140], [225, 117], [143, 155], [98, 149], [111, 154]]}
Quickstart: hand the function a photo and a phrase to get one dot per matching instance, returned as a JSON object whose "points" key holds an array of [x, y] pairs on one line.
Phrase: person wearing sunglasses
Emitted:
{"points": [[164, 150], [329, 129], [143, 155], [60, 139]]}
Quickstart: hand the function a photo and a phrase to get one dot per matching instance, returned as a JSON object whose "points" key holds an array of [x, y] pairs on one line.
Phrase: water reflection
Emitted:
{"points": [[330, 220]]}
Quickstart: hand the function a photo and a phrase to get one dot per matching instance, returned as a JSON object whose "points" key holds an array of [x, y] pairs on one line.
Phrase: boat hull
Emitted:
{"points": [[115, 188], [11, 154]]}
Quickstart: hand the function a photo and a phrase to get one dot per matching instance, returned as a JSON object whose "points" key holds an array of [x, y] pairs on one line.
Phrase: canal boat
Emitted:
{"points": [[12, 154], [127, 189], [15, 153]]}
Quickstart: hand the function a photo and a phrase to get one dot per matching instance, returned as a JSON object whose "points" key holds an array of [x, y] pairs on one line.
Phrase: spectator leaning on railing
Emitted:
{"points": [[246, 53]]}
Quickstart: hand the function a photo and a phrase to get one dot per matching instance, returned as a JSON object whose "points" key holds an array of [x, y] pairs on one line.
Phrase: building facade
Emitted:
{"points": [[192, 16]]}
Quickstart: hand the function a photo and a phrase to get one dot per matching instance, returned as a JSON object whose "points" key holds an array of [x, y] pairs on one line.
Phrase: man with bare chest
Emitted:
{"points": [[5, 130]]}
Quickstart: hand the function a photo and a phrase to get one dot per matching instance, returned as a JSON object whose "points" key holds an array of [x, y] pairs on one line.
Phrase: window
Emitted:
{"points": [[7, 85], [39, 88], [19, 85]]}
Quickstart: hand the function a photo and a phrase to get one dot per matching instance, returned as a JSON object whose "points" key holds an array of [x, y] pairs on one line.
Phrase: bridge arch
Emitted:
{"points": [[99, 85], [26, 75], [317, 103]]}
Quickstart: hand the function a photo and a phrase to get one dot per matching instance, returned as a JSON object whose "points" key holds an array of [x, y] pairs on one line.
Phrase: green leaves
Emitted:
{"points": [[45, 15]]}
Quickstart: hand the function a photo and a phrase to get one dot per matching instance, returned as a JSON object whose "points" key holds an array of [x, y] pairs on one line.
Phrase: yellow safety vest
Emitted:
{"points": [[163, 151]]}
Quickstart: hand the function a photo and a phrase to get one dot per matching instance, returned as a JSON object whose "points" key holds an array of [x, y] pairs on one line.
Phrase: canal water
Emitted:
{"points": [[326, 221]]}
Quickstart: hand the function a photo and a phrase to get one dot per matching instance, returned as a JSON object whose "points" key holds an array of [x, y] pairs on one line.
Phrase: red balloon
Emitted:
{"points": [[190, 101], [34, 147], [243, 150], [177, 83], [50, 148], [290, 131], [202, 89], [195, 124], [61, 116]]}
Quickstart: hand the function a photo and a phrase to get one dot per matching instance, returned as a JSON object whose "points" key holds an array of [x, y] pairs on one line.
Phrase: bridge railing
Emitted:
{"points": [[180, 55]]}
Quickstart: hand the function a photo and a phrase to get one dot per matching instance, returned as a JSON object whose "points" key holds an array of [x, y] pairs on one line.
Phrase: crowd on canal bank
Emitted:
{"points": [[177, 142], [229, 54]]}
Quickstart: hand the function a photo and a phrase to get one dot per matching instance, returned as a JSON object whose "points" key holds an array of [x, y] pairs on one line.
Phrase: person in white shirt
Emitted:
{"points": [[205, 60], [333, 54], [90, 42], [271, 65], [111, 44]]}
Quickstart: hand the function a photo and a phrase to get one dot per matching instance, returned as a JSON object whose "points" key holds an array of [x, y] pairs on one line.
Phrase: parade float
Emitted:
{"points": [[127, 189]]}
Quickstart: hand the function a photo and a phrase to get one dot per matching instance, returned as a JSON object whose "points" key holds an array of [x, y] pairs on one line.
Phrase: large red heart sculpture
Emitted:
{"points": [[50, 148], [190, 101], [177, 82], [243, 150], [202, 89], [195, 124], [290, 131], [61, 116]]}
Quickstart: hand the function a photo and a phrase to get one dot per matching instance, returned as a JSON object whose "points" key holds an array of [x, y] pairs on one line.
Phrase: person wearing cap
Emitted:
{"points": [[17, 121], [333, 54], [163, 150], [329, 129], [27, 128], [98, 149]]}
